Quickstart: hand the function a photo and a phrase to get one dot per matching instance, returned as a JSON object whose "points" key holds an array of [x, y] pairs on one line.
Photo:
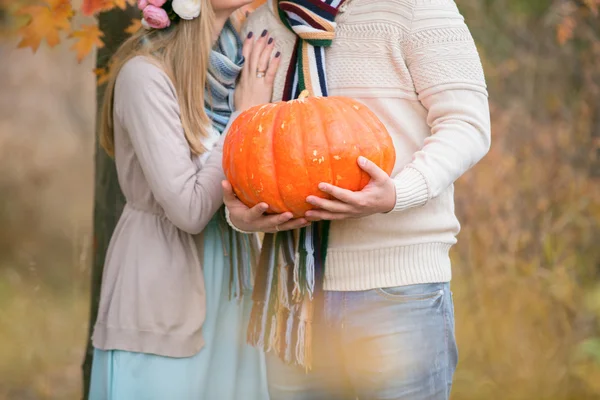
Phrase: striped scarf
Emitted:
{"points": [[289, 282], [225, 65]]}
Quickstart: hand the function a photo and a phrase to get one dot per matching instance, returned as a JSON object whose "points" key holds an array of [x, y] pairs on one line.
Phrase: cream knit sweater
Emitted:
{"points": [[413, 63]]}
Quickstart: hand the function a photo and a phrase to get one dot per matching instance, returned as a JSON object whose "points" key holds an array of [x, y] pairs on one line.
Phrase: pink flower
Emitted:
{"points": [[156, 17], [142, 4]]}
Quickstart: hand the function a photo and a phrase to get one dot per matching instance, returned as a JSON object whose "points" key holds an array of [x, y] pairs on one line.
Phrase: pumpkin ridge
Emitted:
{"points": [[315, 113], [366, 126], [252, 193], [331, 167], [383, 139], [276, 122], [233, 143], [290, 201], [340, 105]]}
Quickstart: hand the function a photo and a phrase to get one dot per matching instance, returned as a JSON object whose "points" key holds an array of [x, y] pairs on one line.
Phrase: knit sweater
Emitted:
{"points": [[415, 65]]}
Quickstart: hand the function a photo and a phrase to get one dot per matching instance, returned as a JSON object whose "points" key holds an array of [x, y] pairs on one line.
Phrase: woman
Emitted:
{"points": [[169, 325]]}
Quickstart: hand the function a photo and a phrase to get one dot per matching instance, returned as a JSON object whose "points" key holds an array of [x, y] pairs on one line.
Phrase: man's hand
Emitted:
{"points": [[379, 196]]}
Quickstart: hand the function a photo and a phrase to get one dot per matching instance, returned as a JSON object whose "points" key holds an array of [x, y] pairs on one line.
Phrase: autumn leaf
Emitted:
{"points": [[87, 38], [135, 26], [102, 75], [90, 7], [122, 4], [565, 30], [46, 22]]}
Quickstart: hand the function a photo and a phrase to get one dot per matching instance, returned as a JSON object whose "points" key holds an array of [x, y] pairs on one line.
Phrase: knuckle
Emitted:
{"points": [[363, 203]]}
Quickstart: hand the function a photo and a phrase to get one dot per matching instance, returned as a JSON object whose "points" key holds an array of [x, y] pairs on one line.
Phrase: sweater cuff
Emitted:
{"points": [[231, 223], [411, 189]]}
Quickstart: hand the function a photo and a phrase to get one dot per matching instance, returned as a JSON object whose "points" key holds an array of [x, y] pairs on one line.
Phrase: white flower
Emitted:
{"points": [[187, 9]]}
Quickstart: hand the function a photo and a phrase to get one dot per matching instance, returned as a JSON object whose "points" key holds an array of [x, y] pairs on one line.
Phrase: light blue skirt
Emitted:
{"points": [[225, 369]]}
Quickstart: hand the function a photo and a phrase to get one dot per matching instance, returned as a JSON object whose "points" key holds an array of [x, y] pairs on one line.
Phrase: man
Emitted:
{"points": [[385, 326]]}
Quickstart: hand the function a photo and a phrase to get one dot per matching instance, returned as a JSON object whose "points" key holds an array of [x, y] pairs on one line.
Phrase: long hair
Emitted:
{"points": [[182, 51]]}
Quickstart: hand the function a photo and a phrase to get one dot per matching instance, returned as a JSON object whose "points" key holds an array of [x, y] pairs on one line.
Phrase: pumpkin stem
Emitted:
{"points": [[304, 94]]}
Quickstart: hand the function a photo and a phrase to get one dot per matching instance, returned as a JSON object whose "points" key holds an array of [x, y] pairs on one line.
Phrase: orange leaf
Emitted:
{"points": [[102, 74], [135, 26], [87, 37], [90, 7], [46, 22], [122, 4], [565, 30]]}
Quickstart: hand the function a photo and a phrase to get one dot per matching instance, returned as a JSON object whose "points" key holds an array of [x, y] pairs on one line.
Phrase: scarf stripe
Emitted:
{"points": [[318, 7], [288, 292], [321, 72], [300, 18]]}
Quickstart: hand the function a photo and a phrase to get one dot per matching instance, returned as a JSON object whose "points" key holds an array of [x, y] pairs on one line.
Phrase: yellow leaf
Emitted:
{"points": [[87, 38], [135, 26], [122, 4], [102, 74], [46, 22], [90, 7]]}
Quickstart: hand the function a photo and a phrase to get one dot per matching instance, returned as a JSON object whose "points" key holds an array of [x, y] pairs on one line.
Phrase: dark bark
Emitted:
{"points": [[108, 199]]}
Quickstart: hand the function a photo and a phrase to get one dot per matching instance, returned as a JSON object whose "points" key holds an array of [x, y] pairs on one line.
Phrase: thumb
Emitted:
{"points": [[228, 195], [376, 173]]}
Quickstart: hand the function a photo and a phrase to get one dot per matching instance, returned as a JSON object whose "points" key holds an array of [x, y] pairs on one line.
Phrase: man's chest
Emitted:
{"points": [[364, 60]]}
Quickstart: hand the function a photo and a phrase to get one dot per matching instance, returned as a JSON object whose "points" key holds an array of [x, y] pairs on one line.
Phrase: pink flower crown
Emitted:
{"points": [[158, 14]]}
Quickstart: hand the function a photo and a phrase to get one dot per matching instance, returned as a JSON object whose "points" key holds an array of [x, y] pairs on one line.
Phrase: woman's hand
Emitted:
{"points": [[254, 219], [379, 196], [255, 86]]}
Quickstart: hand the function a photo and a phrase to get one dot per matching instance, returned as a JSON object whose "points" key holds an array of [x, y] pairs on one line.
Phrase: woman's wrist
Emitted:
{"points": [[232, 225]]}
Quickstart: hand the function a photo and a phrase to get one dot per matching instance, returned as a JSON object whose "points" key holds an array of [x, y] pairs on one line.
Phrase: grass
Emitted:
{"points": [[42, 336]]}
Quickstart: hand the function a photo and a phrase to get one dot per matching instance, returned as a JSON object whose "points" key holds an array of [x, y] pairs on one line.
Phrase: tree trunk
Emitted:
{"points": [[108, 199]]}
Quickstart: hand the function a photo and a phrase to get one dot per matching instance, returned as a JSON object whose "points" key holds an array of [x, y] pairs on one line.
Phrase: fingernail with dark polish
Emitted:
{"points": [[270, 41], [264, 33], [278, 54], [250, 35]]}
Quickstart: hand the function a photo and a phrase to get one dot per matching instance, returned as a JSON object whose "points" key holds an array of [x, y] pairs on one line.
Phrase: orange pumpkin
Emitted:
{"points": [[278, 153]]}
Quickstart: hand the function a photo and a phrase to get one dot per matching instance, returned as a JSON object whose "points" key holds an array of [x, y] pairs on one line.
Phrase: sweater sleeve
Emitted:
{"points": [[448, 77], [147, 107]]}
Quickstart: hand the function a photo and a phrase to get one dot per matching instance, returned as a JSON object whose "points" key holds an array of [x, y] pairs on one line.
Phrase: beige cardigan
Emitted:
{"points": [[153, 298]]}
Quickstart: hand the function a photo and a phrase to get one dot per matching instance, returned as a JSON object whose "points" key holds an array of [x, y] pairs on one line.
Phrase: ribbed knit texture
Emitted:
{"points": [[411, 189], [415, 65], [388, 267]]}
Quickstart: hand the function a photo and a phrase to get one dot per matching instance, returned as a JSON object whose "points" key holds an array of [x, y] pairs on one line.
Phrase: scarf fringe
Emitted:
{"points": [[297, 292], [310, 261], [255, 335]]}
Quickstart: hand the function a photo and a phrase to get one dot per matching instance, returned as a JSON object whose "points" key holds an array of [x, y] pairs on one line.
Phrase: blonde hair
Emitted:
{"points": [[182, 51]]}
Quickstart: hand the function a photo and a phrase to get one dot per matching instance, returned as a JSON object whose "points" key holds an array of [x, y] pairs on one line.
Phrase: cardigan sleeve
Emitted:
{"points": [[448, 77], [147, 107]]}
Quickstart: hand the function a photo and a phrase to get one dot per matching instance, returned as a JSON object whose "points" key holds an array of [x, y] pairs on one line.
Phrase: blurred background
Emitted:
{"points": [[526, 276]]}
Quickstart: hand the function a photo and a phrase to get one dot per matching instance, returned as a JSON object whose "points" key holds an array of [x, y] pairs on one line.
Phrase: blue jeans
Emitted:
{"points": [[393, 343]]}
